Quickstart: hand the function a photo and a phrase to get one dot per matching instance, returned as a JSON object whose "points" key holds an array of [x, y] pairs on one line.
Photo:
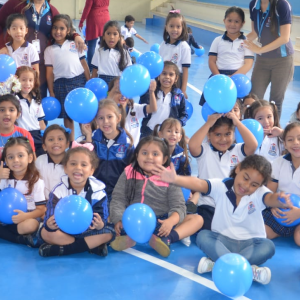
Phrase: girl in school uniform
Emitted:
{"points": [[266, 114], [111, 58], [237, 226], [67, 68], [23, 176], [285, 178], [219, 155], [32, 116], [227, 54]]}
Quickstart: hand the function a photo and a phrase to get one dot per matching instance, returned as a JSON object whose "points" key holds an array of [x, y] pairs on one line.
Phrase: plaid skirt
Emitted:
{"points": [[275, 226], [107, 78], [63, 86]]}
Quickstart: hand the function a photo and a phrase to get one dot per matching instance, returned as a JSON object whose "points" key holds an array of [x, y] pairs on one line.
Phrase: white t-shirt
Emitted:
{"points": [[26, 55], [127, 33], [240, 222], [65, 60], [106, 61], [230, 54], [179, 53]]}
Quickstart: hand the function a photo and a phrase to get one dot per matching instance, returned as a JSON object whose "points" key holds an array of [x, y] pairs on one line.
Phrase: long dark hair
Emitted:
{"points": [[273, 17], [69, 24], [32, 173]]}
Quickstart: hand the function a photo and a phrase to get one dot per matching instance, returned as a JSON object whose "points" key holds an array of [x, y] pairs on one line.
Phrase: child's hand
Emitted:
{"points": [[275, 131], [51, 223], [167, 175], [20, 217], [4, 172], [165, 228], [233, 117], [153, 85], [185, 95], [145, 41], [118, 228], [292, 215], [211, 119], [97, 222], [86, 129], [276, 212], [52, 94], [285, 200], [4, 50]]}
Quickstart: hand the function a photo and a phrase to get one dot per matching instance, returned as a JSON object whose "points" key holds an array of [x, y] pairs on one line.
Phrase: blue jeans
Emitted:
{"points": [[91, 50], [214, 245]]}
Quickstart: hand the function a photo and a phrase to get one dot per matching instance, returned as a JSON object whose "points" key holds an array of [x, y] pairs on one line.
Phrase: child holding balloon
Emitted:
{"points": [[219, 155], [227, 54], [170, 100], [285, 178], [66, 68], [237, 225], [55, 143], [32, 117], [138, 184], [79, 165], [111, 58], [23, 176], [266, 114], [113, 144]]}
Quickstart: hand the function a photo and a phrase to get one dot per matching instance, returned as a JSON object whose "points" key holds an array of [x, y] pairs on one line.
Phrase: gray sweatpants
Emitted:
{"points": [[277, 71]]}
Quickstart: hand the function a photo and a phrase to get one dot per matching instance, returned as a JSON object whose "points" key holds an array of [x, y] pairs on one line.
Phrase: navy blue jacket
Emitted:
{"points": [[178, 159]]}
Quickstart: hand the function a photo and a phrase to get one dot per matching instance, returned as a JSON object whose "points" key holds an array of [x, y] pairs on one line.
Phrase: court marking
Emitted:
{"points": [[194, 88], [178, 270]]}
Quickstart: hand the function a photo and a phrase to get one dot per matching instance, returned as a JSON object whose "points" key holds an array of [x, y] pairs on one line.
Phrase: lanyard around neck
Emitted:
{"points": [[37, 17], [261, 23]]}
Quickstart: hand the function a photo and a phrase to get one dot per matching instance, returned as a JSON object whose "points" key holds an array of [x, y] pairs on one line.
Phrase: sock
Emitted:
{"points": [[173, 236], [8, 235], [78, 246]]}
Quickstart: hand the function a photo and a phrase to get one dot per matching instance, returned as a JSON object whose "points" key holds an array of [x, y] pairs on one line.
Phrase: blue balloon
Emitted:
{"points": [[186, 193], [220, 93], [73, 214], [255, 127], [189, 108], [206, 111], [134, 54], [139, 222], [11, 199], [51, 107], [84, 31], [81, 105], [243, 85], [199, 51], [98, 86], [155, 48], [134, 81], [8, 67], [295, 199], [153, 62], [232, 275]]}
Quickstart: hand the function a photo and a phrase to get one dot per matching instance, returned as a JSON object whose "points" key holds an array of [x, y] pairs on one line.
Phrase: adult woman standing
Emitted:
{"points": [[271, 24], [96, 15], [39, 14]]}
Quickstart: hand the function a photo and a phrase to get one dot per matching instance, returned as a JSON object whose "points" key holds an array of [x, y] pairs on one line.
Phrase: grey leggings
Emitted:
{"points": [[277, 71]]}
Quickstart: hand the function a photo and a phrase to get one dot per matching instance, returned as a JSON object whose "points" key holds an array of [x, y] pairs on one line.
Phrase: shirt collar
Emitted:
{"points": [[177, 150], [288, 157], [226, 38], [24, 45], [230, 193], [11, 176], [115, 48], [50, 160], [220, 152], [175, 44]]}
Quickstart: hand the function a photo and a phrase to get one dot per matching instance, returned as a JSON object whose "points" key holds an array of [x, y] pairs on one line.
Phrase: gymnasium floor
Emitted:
{"points": [[139, 273]]}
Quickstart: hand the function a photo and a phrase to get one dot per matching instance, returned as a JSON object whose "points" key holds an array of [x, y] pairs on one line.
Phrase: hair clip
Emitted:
{"points": [[67, 130], [272, 102], [248, 106], [174, 11], [89, 146]]}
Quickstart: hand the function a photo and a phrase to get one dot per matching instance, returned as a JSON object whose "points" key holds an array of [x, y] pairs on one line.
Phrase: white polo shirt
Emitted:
{"points": [[65, 60], [26, 55], [163, 109], [230, 54], [127, 32], [240, 222], [215, 164], [132, 123], [269, 148], [37, 196], [50, 172], [31, 114], [287, 177], [106, 61], [179, 53]]}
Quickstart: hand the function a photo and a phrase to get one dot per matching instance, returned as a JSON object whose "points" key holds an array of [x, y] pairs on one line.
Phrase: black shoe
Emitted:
{"points": [[26, 239], [191, 208], [46, 250], [100, 250]]}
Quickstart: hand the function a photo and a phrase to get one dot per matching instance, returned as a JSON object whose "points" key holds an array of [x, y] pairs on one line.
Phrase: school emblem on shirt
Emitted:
{"points": [[177, 99], [176, 162], [174, 58], [268, 23], [134, 122], [121, 151], [49, 21], [233, 161], [241, 47], [251, 208], [73, 47], [272, 150], [25, 60]]}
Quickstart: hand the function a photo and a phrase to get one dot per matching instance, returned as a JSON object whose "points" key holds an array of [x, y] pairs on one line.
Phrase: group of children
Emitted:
{"points": [[112, 167]]}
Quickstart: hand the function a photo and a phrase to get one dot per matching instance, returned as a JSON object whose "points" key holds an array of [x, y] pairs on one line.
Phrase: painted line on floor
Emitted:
{"points": [[178, 270], [194, 88]]}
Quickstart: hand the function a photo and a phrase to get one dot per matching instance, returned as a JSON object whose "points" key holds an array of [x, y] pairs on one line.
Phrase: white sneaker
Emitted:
{"points": [[205, 265], [261, 274], [186, 241]]}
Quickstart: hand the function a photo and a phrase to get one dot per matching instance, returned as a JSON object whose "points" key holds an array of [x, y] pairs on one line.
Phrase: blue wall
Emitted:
{"points": [[245, 3]]}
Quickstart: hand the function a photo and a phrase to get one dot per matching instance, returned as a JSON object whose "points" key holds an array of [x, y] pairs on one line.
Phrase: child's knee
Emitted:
{"points": [[27, 227]]}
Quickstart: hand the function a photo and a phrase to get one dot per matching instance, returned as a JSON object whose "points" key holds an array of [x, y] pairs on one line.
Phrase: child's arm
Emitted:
{"points": [[141, 38], [272, 200], [248, 63], [194, 43], [195, 143], [212, 63], [250, 142], [42, 125], [50, 80], [100, 211], [36, 67], [182, 113], [185, 75], [94, 73], [86, 130], [152, 106], [22, 216], [86, 69]]}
